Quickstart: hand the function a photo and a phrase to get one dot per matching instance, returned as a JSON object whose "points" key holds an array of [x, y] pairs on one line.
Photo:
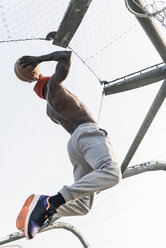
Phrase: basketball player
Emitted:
{"points": [[95, 167]]}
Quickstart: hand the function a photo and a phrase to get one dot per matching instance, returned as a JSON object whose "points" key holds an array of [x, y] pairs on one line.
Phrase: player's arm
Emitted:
{"points": [[62, 57], [61, 72], [62, 68], [55, 56]]}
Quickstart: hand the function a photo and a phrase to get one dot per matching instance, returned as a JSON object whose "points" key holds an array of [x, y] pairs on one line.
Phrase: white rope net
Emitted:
{"points": [[151, 8], [107, 37], [30, 19]]}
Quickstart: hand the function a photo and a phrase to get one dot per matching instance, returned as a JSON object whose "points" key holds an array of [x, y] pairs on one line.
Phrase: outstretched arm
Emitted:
{"points": [[61, 72]]}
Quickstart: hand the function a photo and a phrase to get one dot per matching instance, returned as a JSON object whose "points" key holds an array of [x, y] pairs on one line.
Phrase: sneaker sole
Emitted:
{"points": [[31, 208], [20, 222]]}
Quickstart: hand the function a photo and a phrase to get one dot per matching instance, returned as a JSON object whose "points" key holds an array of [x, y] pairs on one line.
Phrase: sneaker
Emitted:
{"points": [[20, 222], [39, 211]]}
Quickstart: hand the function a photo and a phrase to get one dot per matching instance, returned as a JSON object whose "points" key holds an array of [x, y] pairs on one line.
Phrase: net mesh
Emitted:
{"points": [[108, 34], [152, 8], [30, 19], [113, 44], [123, 113]]}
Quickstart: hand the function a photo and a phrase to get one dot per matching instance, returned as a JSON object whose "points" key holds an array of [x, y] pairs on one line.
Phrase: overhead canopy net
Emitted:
{"points": [[29, 19], [109, 39], [113, 43]]}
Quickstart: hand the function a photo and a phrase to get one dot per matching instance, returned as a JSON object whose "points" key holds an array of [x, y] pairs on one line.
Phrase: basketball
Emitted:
{"points": [[26, 74]]}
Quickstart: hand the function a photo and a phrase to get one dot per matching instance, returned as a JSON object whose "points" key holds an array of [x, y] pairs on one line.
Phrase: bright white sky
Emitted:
{"points": [[34, 158]]}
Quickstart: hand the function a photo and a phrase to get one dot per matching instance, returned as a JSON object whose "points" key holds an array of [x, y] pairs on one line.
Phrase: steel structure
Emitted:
{"points": [[20, 235], [145, 125], [159, 43], [136, 80], [71, 21]]}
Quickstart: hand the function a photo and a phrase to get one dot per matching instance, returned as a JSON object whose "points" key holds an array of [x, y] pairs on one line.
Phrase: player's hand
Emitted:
{"points": [[29, 60]]}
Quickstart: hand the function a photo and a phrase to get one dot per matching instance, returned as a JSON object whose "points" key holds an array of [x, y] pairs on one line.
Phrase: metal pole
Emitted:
{"points": [[154, 35], [145, 125], [20, 235]]}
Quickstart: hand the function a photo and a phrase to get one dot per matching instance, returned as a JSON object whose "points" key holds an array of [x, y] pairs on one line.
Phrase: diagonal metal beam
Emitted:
{"points": [[71, 21], [145, 125]]}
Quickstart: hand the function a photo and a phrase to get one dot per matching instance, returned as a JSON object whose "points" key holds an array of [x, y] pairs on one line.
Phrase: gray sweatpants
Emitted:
{"points": [[95, 168]]}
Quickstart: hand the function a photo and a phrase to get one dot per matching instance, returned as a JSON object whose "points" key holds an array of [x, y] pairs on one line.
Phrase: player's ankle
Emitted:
{"points": [[57, 200]]}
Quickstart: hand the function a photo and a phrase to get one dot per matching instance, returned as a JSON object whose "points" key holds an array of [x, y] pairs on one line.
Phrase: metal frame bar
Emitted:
{"points": [[70, 22], [20, 235], [143, 79], [151, 30], [145, 167], [145, 125]]}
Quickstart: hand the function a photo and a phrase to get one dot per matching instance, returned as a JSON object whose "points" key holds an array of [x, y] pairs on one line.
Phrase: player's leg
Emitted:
{"points": [[37, 207], [93, 148], [76, 208], [95, 169]]}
